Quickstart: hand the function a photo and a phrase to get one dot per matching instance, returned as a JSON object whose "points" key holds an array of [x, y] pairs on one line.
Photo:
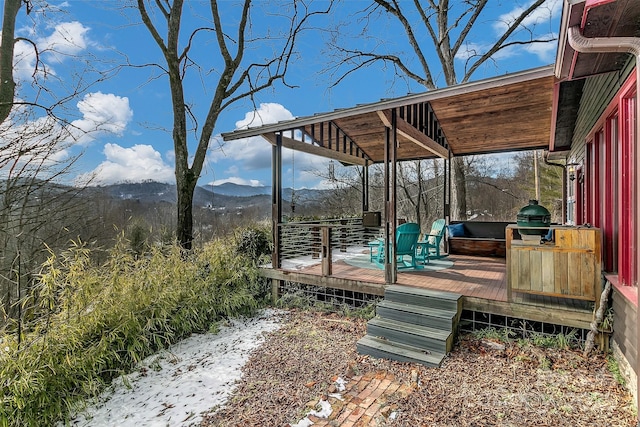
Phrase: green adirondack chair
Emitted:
{"points": [[429, 244], [406, 243]]}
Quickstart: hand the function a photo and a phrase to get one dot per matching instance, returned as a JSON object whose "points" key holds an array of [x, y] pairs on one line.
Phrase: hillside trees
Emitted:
{"points": [[550, 182], [41, 121], [443, 29], [237, 53]]}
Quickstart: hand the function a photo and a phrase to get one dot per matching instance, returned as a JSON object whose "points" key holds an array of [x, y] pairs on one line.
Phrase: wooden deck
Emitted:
{"points": [[481, 280]]}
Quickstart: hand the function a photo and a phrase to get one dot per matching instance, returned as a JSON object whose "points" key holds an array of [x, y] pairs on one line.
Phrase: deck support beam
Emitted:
{"points": [[390, 119], [276, 199]]}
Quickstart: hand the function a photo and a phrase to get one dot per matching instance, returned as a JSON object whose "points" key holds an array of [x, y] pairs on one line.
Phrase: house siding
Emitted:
{"points": [[624, 321], [624, 341], [597, 93]]}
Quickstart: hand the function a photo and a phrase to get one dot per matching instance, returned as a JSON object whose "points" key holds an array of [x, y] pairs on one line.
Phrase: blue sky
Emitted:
{"points": [[123, 121]]}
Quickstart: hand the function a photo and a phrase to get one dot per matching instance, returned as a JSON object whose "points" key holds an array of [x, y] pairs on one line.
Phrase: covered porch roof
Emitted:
{"points": [[595, 19], [500, 114]]}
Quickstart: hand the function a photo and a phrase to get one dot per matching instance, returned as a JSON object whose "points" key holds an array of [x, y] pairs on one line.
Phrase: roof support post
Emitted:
{"points": [[365, 187], [447, 174], [390, 262], [392, 202], [629, 45], [276, 199]]}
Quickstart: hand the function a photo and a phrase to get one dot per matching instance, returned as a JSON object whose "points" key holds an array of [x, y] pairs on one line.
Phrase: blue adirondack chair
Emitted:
{"points": [[406, 240], [429, 244]]}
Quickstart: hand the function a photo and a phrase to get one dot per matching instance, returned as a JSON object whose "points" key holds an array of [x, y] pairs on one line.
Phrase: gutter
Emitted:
{"points": [[619, 45]]}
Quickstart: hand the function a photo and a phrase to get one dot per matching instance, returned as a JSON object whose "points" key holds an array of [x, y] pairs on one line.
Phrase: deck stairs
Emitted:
{"points": [[413, 325]]}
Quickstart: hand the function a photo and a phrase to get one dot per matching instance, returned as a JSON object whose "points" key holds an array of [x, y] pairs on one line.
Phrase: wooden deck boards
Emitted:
{"points": [[469, 276], [481, 280]]}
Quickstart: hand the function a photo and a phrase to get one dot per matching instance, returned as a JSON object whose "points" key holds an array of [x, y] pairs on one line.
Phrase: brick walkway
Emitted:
{"points": [[365, 401]]}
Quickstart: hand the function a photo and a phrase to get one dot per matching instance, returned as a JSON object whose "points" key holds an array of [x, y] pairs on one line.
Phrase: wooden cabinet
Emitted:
{"points": [[569, 266]]}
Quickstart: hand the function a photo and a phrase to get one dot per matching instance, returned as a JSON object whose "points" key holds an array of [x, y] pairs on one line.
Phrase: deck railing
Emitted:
{"points": [[318, 241]]}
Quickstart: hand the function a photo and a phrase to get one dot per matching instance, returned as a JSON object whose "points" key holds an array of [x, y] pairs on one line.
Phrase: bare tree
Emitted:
{"points": [[7, 82], [448, 25], [38, 212], [236, 73]]}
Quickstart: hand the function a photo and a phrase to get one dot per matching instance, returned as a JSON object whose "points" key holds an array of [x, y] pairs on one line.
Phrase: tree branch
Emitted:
{"points": [[498, 44]]}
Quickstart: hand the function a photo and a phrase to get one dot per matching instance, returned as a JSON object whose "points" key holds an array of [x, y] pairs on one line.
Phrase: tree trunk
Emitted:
{"points": [[7, 85], [186, 189], [458, 190], [604, 301]]}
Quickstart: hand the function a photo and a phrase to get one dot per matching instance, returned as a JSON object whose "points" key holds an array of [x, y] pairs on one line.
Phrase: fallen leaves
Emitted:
{"points": [[479, 384]]}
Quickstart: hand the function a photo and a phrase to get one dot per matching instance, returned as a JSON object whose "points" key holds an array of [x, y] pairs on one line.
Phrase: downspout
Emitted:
{"points": [[563, 218], [623, 45]]}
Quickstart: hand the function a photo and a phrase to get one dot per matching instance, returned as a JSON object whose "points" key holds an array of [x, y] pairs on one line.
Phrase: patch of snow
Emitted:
{"points": [[324, 412], [324, 406], [175, 386]]}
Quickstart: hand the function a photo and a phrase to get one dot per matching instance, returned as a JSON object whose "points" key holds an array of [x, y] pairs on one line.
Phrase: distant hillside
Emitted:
{"points": [[237, 190], [226, 196]]}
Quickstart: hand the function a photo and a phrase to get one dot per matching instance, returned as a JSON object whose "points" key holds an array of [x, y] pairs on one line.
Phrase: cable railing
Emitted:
{"points": [[322, 242]]}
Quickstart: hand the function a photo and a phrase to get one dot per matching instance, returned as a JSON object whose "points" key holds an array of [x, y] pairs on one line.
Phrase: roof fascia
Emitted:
{"points": [[564, 66]]}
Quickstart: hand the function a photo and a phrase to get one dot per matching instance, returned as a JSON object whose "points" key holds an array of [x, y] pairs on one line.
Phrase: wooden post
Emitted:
{"points": [[392, 202], [276, 199], [275, 290], [387, 225], [365, 187], [509, 237], [326, 251]]}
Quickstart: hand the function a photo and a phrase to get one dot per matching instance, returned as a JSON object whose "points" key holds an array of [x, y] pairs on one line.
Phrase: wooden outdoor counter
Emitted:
{"points": [[569, 266]]}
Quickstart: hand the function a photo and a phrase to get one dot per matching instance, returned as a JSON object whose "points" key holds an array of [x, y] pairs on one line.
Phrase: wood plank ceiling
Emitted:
{"points": [[507, 118], [501, 114]]}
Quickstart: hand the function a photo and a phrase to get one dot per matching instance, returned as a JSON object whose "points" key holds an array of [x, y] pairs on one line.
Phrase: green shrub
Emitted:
{"points": [[96, 322], [255, 243]]}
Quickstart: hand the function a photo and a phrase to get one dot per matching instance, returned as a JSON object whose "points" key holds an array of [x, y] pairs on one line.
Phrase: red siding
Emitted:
{"points": [[611, 187]]}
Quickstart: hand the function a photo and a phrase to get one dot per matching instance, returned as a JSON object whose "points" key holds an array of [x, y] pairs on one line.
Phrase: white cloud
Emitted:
{"points": [[542, 14], [470, 50], [252, 153], [34, 147], [232, 170], [135, 164], [237, 180], [268, 112], [68, 39], [101, 114], [544, 51]]}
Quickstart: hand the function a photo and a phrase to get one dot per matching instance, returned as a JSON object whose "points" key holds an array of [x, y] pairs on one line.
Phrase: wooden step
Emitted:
{"points": [[423, 297], [409, 313], [423, 337], [383, 349]]}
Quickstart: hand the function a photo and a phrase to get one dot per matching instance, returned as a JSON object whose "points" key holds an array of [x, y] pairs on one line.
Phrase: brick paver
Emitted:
{"points": [[364, 401]]}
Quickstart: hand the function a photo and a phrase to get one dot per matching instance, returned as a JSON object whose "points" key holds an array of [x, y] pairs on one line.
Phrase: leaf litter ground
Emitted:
{"points": [[477, 385]]}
